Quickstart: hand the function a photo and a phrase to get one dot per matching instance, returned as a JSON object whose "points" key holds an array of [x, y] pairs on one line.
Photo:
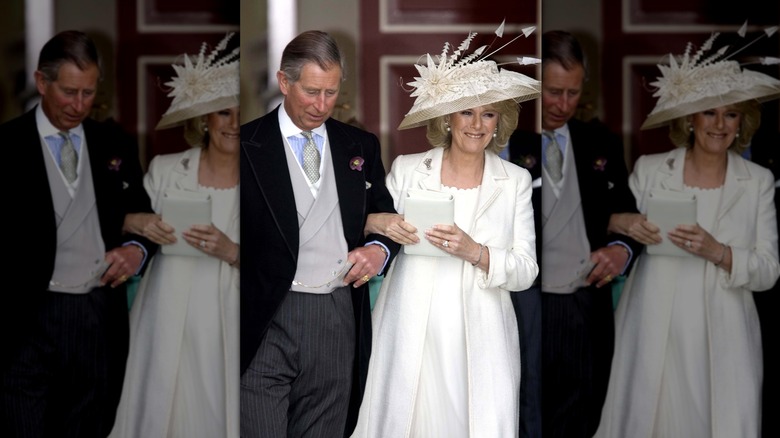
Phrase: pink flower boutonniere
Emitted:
{"points": [[599, 164], [527, 161], [114, 164], [356, 163]]}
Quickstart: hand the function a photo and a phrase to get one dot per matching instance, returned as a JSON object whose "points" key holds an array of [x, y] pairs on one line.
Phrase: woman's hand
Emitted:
{"points": [[453, 240], [697, 241], [151, 226], [211, 241], [393, 226], [636, 226]]}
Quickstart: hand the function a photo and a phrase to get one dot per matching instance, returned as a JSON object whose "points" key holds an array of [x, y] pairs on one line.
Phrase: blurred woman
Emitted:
{"points": [[182, 371], [688, 349], [445, 358]]}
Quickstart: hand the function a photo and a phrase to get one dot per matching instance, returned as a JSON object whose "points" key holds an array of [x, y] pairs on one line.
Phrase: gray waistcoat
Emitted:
{"points": [[79, 260], [322, 251], [565, 246]]}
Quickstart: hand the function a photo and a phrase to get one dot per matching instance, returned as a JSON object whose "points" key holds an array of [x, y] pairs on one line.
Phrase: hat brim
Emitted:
{"points": [[178, 117], [758, 92], [518, 93]]}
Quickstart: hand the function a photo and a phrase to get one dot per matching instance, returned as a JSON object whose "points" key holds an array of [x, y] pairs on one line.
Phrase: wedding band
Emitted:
{"points": [[365, 278], [688, 244], [202, 243], [608, 278], [123, 278], [446, 244]]}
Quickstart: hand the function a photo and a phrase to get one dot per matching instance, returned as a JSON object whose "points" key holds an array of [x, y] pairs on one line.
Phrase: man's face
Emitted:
{"points": [[67, 101], [310, 100], [561, 91]]}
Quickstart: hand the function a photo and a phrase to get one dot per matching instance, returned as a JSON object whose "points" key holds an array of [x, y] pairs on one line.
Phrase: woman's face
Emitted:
{"points": [[472, 129], [224, 130], [714, 130]]}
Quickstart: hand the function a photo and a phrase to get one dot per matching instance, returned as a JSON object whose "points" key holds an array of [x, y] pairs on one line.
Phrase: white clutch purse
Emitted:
{"points": [[182, 209], [424, 209], [667, 209]]}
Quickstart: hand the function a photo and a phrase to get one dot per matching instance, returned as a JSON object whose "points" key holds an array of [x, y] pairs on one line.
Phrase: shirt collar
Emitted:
{"points": [[289, 129], [46, 129]]}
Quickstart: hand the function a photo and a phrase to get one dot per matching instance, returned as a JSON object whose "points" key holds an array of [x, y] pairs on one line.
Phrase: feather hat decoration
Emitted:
{"points": [[203, 84], [461, 81], [709, 78]]}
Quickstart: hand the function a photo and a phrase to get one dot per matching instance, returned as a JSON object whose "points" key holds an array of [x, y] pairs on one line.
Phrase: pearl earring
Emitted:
{"points": [[447, 124], [690, 128], [737, 134], [495, 133]]}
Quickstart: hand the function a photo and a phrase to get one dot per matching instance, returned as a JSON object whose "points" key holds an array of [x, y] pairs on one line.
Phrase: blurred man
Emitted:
{"points": [[584, 180], [65, 311]]}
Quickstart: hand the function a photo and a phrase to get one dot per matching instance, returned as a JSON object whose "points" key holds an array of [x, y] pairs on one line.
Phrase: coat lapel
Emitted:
{"points": [[431, 167], [350, 183], [184, 174], [264, 155], [671, 171], [493, 176], [737, 174]]}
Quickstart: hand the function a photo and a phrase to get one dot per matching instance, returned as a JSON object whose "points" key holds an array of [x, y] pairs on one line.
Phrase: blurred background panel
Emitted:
{"points": [[138, 40]]}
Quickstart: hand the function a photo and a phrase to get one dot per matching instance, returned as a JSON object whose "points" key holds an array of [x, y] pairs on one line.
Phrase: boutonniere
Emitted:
{"points": [[368, 185], [356, 163], [527, 161], [599, 164], [114, 164]]}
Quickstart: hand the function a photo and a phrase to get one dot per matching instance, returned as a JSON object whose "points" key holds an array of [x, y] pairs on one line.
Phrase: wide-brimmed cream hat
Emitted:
{"points": [[460, 81], [708, 79], [203, 85]]}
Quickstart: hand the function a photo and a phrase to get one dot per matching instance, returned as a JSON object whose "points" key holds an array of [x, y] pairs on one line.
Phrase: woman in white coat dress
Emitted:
{"points": [[445, 356], [687, 359], [182, 369]]}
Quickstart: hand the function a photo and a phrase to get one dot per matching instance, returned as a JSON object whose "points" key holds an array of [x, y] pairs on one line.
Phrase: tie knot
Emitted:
{"points": [[308, 135], [65, 135]]}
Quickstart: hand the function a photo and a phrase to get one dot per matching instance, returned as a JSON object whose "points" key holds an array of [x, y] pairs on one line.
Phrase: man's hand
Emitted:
{"points": [[609, 261], [367, 261], [123, 264]]}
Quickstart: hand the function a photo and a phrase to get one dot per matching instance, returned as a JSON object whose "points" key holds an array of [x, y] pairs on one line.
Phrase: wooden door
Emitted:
{"points": [[152, 35], [394, 34]]}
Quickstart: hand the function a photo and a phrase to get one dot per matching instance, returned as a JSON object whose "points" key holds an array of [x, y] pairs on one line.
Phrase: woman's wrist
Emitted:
{"points": [[479, 255], [235, 261], [724, 250]]}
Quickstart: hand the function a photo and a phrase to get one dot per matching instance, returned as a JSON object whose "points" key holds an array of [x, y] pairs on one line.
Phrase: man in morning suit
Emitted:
{"points": [[584, 180], [307, 184], [65, 313]]}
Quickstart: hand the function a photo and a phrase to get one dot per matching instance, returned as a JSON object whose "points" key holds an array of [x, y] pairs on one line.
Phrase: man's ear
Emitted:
{"points": [[284, 84], [40, 82]]}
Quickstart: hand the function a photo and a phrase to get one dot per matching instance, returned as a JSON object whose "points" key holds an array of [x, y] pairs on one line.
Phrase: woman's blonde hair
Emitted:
{"points": [[508, 111], [681, 135], [195, 133]]}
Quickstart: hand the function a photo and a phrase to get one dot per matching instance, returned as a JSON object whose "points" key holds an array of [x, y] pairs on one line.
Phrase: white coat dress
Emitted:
{"points": [[732, 372], [504, 223]]}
